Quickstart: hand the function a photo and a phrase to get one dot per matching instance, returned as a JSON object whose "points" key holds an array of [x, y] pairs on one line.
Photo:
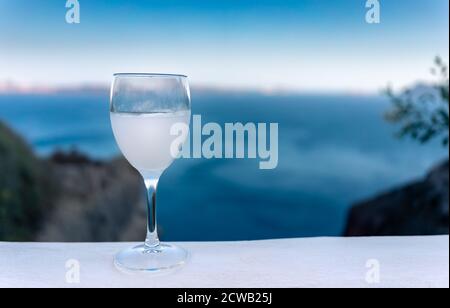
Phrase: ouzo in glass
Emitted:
{"points": [[143, 109]]}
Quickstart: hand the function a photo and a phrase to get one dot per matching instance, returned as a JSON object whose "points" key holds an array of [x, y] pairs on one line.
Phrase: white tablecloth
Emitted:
{"points": [[313, 262]]}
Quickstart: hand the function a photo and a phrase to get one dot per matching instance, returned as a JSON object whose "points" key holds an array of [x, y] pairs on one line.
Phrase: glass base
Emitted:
{"points": [[157, 259]]}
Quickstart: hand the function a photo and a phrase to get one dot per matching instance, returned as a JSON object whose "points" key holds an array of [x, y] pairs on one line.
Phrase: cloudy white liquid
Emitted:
{"points": [[145, 139]]}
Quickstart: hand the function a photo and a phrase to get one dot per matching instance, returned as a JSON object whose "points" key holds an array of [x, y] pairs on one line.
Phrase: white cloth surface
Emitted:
{"points": [[310, 262]]}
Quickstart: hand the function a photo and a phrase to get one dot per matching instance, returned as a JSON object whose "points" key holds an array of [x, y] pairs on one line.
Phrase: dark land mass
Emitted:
{"points": [[419, 208], [67, 197]]}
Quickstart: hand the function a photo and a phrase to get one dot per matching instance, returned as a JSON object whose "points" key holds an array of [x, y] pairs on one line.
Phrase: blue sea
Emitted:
{"points": [[333, 152]]}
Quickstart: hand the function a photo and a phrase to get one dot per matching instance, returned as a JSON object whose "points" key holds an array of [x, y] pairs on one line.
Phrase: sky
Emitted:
{"points": [[303, 45]]}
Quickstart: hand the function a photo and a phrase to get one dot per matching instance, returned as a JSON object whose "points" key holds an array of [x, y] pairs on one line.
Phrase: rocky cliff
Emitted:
{"points": [[94, 201], [25, 188], [420, 208], [67, 197]]}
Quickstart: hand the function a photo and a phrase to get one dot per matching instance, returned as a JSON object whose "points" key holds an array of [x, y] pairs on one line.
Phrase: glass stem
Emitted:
{"points": [[152, 239]]}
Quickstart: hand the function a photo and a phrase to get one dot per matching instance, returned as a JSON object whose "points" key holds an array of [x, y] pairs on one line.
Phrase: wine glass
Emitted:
{"points": [[143, 109]]}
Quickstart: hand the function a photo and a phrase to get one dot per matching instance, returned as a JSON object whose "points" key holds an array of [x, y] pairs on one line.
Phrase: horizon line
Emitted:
{"points": [[12, 88]]}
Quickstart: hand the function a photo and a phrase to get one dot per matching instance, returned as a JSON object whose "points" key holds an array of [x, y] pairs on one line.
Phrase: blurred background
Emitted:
{"points": [[342, 90]]}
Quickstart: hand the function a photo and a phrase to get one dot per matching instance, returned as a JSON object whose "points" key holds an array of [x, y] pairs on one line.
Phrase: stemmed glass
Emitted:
{"points": [[144, 108]]}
